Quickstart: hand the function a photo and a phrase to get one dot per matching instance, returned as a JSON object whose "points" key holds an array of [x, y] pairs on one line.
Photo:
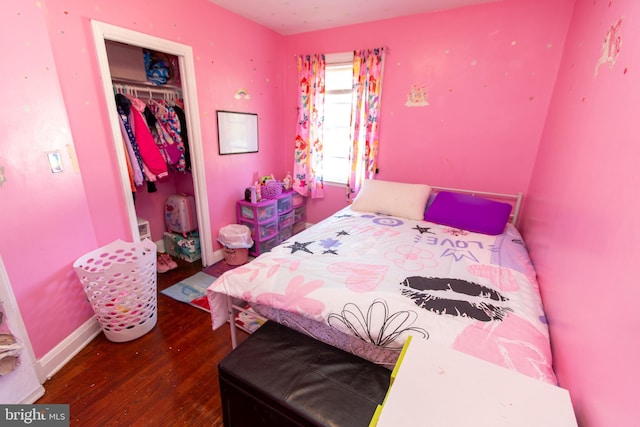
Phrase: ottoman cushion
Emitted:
{"points": [[289, 378]]}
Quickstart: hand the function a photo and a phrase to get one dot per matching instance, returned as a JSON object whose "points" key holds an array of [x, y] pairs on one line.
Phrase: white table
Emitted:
{"points": [[438, 386]]}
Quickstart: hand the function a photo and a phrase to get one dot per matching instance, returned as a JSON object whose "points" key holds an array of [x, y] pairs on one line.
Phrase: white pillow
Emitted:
{"points": [[392, 198]]}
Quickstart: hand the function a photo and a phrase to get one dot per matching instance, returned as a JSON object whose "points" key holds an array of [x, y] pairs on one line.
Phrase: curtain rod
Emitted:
{"points": [[385, 48]]}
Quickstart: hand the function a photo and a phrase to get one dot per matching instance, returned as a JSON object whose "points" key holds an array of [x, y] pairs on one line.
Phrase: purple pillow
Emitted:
{"points": [[468, 212]]}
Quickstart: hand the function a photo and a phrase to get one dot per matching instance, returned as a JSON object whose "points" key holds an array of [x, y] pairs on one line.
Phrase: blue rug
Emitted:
{"points": [[192, 290]]}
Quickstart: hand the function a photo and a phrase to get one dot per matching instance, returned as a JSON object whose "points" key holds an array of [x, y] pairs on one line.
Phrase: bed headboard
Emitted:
{"points": [[515, 200]]}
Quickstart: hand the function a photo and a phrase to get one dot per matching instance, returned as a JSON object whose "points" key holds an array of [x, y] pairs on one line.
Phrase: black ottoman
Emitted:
{"points": [[279, 377]]}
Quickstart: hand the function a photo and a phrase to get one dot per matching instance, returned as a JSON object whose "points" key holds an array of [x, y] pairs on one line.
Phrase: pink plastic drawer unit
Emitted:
{"points": [[265, 230], [298, 214], [284, 203], [264, 246], [258, 212], [285, 220], [284, 233]]}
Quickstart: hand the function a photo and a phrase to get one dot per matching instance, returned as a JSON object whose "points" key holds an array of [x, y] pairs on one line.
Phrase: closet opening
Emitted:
{"points": [[128, 87]]}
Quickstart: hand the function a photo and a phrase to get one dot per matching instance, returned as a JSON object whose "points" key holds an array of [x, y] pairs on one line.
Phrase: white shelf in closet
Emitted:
{"points": [[143, 229]]}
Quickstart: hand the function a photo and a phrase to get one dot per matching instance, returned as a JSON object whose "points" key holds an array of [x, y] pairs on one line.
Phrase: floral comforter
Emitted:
{"points": [[382, 278]]}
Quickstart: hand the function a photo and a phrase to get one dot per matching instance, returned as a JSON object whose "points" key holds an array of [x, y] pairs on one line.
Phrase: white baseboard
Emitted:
{"points": [[217, 256], [33, 396], [62, 353]]}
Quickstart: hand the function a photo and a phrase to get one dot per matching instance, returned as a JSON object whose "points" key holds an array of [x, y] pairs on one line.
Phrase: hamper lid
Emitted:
{"points": [[235, 236]]}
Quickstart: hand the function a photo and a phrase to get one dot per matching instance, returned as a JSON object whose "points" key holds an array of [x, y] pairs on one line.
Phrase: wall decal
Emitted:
{"points": [[610, 47], [242, 93], [417, 97], [3, 178]]}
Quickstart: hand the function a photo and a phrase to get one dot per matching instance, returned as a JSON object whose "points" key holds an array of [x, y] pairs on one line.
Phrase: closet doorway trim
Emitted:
{"points": [[103, 32]]}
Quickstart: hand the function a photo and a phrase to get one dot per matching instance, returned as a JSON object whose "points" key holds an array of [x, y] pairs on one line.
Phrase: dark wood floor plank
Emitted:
{"points": [[169, 376]]}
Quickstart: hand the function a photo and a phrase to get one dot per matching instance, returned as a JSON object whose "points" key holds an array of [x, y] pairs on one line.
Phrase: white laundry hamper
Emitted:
{"points": [[120, 282]]}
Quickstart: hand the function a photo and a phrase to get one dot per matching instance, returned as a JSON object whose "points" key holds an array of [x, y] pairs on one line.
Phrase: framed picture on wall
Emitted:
{"points": [[237, 132]]}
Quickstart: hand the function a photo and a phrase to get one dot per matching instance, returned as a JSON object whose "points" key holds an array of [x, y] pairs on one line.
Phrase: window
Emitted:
{"points": [[337, 117]]}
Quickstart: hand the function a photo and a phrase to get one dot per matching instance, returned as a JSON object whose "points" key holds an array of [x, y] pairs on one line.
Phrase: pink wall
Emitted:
{"points": [[582, 218], [488, 71], [45, 223], [55, 101]]}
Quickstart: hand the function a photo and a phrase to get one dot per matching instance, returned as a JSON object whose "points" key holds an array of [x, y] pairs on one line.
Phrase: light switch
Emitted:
{"points": [[55, 161]]}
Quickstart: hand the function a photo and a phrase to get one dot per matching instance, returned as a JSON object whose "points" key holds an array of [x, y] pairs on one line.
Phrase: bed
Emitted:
{"points": [[404, 259]]}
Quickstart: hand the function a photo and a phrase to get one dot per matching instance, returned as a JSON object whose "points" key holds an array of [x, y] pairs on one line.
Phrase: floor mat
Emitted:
{"points": [[217, 269], [192, 290]]}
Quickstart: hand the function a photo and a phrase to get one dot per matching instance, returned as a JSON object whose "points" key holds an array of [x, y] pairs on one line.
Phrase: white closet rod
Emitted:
{"points": [[138, 90]]}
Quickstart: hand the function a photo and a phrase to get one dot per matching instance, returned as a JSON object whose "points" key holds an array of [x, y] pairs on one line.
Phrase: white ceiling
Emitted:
{"points": [[298, 16]]}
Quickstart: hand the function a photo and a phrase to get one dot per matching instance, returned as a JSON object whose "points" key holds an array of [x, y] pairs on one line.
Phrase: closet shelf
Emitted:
{"points": [[139, 89]]}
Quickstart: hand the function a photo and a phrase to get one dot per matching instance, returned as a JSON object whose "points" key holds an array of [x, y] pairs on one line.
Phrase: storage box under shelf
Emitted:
{"points": [[186, 248]]}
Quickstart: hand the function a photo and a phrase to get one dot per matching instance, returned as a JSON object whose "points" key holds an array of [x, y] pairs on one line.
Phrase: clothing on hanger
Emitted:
{"points": [[149, 163], [183, 134], [168, 132], [148, 148], [134, 155]]}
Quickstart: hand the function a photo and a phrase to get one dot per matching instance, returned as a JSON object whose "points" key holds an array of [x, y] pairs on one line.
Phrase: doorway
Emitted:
{"points": [[102, 33]]}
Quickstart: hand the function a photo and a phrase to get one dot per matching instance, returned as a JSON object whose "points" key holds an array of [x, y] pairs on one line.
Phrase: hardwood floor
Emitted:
{"points": [[167, 377]]}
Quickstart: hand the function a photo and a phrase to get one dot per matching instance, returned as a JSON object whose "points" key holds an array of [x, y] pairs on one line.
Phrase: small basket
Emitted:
{"points": [[236, 256], [271, 190], [119, 281]]}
